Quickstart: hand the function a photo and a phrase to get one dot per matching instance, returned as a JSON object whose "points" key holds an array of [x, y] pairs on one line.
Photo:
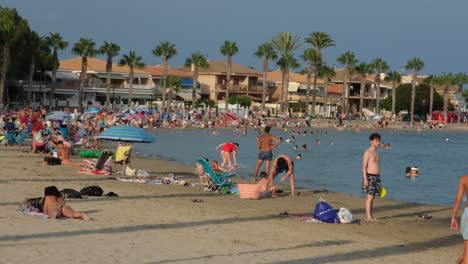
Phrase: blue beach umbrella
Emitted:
{"points": [[92, 111], [58, 115], [127, 134]]}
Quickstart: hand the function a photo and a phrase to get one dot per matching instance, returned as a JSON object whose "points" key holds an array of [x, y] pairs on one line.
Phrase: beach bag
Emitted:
{"points": [[71, 194], [325, 212], [92, 191], [346, 217], [52, 161]]}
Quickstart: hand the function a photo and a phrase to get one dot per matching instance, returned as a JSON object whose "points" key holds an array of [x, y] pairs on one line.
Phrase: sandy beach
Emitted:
{"points": [[160, 223]]}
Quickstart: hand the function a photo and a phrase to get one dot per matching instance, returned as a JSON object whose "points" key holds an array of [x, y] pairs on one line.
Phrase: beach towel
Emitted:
{"points": [[36, 214], [32, 207], [303, 217], [121, 152]]}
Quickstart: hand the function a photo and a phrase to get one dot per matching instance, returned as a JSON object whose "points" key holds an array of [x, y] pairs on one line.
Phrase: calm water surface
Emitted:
{"points": [[335, 164]]}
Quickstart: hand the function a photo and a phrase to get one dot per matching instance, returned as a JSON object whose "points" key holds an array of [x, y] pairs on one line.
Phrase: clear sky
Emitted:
{"points": [[434, 30]]}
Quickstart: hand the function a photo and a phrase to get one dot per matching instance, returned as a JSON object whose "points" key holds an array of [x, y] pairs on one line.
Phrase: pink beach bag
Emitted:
{"points": [[248, 191]]}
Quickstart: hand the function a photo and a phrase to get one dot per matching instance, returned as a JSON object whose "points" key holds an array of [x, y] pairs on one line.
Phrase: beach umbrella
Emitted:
{"points": [[92, 111], [127, 134], [58, 115]]}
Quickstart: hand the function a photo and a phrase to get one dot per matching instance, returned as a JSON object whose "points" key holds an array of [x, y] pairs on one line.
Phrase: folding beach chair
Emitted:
{"points": [[216, 180], [122, 156], [102, 160]]}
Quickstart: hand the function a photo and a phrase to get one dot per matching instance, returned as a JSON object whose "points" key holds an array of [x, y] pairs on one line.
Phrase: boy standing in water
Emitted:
{"points": [[371, 173]]}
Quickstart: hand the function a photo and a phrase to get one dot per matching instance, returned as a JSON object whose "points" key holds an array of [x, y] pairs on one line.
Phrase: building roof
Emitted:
{"points": [[95, 65], [277, 77], [220, 67], [335, 89], [157, 71]]}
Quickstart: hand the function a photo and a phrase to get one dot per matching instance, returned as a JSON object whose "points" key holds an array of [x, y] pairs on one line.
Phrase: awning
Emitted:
{"points": [[188, 82], [69, 76], [187, 96], [114, 76], [293, 87]]}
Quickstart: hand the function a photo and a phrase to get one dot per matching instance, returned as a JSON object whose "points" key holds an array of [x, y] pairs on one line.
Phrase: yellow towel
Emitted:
{"points": [[121, 152]]}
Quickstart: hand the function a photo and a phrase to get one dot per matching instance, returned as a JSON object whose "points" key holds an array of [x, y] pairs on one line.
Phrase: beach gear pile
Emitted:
{"points": [[324, 213], [171, 179]]}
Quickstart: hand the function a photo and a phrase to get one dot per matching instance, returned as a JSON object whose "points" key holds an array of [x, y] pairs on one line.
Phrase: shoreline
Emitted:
{"points": [[137, 226]]}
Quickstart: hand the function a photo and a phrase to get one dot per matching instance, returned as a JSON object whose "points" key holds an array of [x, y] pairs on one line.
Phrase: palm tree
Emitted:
{"points": [[166, 50], [10, 26], [56, 43], [379, 66], [85, 48], [266, 52], [430, 80], [446, 80], [462, 78], [310, 56], [286, 62], [286, 44], [347, 59], [363, 69], [196, 61], [228, 49], [318, 40], [174, 84], [395, 78], [110, 50], [132, 61], [415, 65]]}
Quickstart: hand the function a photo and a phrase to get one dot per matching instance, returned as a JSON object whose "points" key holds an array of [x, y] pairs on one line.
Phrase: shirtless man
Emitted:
{"points": [[462, 190], [283, 163], [64, 153], [371, 173], [54, 206], [264, 144]]}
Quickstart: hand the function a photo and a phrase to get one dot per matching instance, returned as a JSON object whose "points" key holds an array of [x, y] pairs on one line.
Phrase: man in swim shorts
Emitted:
{"points": [[371, 173], [283, 163], [264, 144], [462, 191]]}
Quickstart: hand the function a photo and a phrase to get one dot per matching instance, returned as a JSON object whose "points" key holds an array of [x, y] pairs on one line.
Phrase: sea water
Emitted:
{"points": [[336, 164]]}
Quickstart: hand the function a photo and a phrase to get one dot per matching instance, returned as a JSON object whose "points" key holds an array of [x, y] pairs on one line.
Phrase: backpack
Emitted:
{"points": [[71, 194], [325, 212], [92, 191]]}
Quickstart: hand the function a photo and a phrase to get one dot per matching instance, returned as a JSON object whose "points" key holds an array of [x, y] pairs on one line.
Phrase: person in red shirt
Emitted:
{"points": [[226, 149]]}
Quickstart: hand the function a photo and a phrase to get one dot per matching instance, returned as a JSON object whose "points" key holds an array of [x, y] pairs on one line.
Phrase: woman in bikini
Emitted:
{"points": [[54, 206]]}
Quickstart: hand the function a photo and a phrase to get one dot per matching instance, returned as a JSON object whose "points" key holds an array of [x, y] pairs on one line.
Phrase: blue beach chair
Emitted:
{"points": [[216, 180]]}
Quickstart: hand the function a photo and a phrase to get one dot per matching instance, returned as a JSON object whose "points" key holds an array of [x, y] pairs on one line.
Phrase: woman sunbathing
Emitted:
{"points": [[54, 206]]}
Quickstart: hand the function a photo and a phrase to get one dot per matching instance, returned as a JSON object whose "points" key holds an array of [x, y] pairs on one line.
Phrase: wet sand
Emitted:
{"points": [[160, 223]]}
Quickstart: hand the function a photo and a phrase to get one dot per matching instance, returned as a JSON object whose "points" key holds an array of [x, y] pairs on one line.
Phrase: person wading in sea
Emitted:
{"points": [[265, 143]]}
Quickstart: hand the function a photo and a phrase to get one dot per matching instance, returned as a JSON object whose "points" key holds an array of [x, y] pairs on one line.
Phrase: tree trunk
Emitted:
{"points": [[169, 97], [264, 90], [164, 84], [309, 76], [378, 94], [55, 66], [228, 82], [286, 91], [343, 99], [314, 99], [460, 88], [413, 95], [394, 87], [446, 90], [130, 90], [194, 86], [283, 83], [361, 94], [84, 67], [32, 68], [5, 66], [431, 99], [108, 81]]}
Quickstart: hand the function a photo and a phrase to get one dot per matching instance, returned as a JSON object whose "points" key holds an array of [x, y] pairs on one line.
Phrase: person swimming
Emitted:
{"points": [[299, 156], [412, 172], [304, 147]]}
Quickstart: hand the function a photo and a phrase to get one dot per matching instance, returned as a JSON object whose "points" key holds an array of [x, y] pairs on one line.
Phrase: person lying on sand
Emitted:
{"points": [[54, 206], [64, 154]]}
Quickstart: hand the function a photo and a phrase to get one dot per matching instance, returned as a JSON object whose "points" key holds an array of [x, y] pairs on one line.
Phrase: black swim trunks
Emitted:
{"points": [[374, 184], [265, 155]]}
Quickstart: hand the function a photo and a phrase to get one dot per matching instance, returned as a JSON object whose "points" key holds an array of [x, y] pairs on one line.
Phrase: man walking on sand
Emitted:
{"points": [[371, 173], [264, 144]]}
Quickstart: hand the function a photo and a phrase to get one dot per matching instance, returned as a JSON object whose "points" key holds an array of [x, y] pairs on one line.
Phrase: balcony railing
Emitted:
{"points": [[112, 86], [241, 87]]}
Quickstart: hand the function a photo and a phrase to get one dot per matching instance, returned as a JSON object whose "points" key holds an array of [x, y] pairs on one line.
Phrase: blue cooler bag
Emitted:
{"points": [[325, 213]]}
